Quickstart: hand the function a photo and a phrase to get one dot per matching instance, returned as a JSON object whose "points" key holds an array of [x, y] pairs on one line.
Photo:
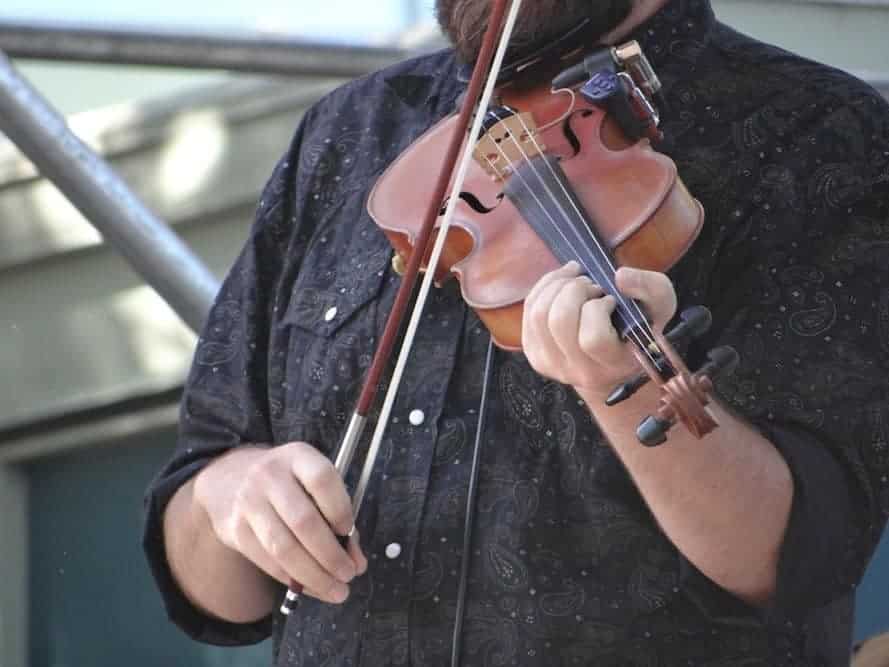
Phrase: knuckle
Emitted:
{"points": [[281, 545], [557, 318], [580, 287], [267, 468], [258, 474], [561, 324], [240, 528], [320, 476], [591, 341], [235, 533], [659, 285], [245, 499], [342, 518], [303, 520], [563, 314], [661, 280], [539, 312]]}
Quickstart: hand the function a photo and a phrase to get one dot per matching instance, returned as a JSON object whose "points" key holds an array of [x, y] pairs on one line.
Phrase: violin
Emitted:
{"points": [[553, 180], [548, 174], [564, 173]]}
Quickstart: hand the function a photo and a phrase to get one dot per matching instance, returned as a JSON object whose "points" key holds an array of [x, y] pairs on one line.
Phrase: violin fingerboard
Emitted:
{"points": [[541, 192]]}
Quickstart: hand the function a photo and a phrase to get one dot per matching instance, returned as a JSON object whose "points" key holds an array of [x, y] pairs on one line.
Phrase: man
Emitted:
{"points": [[586, 548]]}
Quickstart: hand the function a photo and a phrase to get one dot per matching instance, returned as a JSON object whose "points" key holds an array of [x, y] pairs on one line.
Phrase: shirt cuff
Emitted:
{"points": [[820, 555], [194, 622]]}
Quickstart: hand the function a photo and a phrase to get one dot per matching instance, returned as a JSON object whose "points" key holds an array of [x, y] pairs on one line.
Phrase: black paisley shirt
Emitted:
{"points": [[791, 161]]}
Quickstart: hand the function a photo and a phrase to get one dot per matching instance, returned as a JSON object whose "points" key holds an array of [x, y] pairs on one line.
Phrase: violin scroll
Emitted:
{"points": [[695, 323], [653, 429], [684, 395]]}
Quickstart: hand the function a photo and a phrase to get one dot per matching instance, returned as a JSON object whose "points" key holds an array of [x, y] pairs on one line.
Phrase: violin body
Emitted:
{"points": [[631, 194]]}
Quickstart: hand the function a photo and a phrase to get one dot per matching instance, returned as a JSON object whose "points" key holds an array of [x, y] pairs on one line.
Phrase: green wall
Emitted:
{"points": [[93, 602], [872, 611]]}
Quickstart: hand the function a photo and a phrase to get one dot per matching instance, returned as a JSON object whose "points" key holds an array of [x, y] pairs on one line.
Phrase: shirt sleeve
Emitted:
{"points": [[224, 404], [805, 301]]}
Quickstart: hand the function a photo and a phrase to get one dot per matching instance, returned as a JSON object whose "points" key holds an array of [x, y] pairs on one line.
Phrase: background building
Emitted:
{"points": [[92, 361]]}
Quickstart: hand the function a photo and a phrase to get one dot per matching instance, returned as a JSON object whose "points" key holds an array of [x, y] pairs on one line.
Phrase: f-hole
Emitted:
{"points": [[473, 202]]}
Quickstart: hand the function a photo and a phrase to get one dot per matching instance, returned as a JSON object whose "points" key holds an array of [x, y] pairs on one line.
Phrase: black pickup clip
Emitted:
{"points": [[608, 91], [621, 81], [627, 58]]}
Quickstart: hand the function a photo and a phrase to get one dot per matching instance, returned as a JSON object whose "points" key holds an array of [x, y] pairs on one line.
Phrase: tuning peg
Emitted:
{"points": [[723, 361], [626, 390], [696, 321], [653, 431]]}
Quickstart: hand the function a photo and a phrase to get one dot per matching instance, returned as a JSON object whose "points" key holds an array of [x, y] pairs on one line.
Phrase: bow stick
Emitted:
{"points": [[476, 98]]}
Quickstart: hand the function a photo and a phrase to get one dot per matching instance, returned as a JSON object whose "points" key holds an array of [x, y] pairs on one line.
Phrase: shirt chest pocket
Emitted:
{"points": [[332, 323], [324, 309]]}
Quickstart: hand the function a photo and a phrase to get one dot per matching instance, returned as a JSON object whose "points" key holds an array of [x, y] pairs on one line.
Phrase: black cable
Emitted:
{"points": [[470, 512]]}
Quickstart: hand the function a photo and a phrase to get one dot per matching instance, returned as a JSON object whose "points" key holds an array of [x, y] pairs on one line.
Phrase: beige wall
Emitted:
{"points": [[850, 34], [78, 330]]}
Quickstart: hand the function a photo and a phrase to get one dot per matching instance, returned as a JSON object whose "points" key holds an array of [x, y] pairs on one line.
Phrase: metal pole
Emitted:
{"points": [[195, 50], [154, 251]]}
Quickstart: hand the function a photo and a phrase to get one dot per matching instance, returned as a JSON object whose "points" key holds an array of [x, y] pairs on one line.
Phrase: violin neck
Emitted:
{"points": [[544, 197]]}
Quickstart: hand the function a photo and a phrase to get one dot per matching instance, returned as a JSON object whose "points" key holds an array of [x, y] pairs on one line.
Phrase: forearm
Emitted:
{"points": [[216, 579], [724, 501]]}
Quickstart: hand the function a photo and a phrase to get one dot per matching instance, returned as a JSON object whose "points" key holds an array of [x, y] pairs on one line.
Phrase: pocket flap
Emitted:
{"points": [[324, 309]]}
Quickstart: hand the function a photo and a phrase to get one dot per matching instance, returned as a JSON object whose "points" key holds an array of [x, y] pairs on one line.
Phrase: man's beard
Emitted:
{"points": [[464, 21]]}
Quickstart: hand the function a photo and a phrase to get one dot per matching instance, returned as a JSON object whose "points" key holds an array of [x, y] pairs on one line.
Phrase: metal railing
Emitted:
{"points": [[41, 133], [149, 245], [192, 50], [160, 257]]}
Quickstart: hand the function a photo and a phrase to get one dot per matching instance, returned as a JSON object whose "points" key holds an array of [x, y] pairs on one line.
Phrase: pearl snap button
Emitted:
{"points": [[393, 551], [330, 314], [417, 417]]}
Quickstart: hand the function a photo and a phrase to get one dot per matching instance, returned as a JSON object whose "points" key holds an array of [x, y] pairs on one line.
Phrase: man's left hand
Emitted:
{"points": [[567, 333]]}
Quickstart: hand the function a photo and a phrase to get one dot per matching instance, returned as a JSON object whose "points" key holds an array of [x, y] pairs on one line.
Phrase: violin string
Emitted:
{"points": [[564, 213], [633, 333], [581, 260], [643, 324]]}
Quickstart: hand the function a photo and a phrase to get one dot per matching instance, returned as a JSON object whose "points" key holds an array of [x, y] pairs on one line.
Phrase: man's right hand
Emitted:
{"points": [[282, 509]]}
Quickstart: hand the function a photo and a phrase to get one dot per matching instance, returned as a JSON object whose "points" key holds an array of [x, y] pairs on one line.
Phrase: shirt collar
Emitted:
{"points": [[676, 34]]}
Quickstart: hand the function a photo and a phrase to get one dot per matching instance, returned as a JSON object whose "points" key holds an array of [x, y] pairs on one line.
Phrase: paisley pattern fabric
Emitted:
{"points": [[568, 567]]}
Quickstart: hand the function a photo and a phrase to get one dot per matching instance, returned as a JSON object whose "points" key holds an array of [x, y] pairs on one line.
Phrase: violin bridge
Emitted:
{"points": [[512, 141]]}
